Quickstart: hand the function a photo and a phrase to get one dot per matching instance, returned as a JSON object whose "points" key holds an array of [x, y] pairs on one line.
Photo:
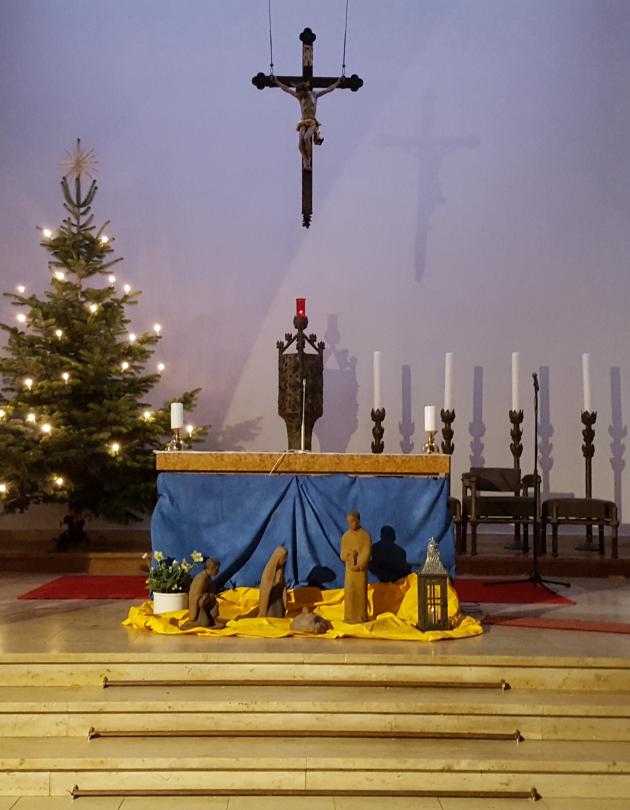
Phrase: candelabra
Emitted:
{"points": [[378, 431], [448, 417]]}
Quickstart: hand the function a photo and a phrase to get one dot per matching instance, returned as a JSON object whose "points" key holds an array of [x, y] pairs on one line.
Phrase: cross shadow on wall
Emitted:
{"points": [[477, 428], [617, 432], [429, 151], [341, 407], [406, 426]]}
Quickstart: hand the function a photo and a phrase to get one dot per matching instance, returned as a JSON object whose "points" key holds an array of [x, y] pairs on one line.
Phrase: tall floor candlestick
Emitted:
{"points": [[588, 451], [378, 431], [447, 415], [516, 448], [516, 434]]}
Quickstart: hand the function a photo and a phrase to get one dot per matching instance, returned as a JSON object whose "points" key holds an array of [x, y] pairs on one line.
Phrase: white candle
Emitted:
{"points": [[448, 381], [177, 415], [586, 382], [515, 367], [430, 418], [378, 398]]}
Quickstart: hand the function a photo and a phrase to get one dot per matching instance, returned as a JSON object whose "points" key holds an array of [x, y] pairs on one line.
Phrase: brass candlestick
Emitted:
{"points": [[378, 431], [176, 443], [430, 447]]}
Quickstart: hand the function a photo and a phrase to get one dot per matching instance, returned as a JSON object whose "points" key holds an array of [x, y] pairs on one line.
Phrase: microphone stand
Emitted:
{"points": [[534, 576]]}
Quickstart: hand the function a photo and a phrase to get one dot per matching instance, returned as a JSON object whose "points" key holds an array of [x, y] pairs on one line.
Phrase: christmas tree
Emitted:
{"points": [[74, 424]]}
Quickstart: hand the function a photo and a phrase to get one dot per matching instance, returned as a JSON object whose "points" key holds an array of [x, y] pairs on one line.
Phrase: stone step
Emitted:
{"points": [[357, 671], [45, 766], [393, 711], [319, 802]]}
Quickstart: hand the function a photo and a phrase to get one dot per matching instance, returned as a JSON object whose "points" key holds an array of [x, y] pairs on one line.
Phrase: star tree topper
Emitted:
{"points": [[80, 161]]}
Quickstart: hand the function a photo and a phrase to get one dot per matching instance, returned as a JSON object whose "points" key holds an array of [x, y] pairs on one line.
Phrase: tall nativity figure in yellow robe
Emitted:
{"points": [[356, 550]]}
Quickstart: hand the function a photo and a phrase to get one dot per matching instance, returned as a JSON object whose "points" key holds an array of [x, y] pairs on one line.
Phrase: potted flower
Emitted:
{"points": [[169, 581]]}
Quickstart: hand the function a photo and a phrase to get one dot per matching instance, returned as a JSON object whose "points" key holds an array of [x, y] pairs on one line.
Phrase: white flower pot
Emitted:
{"points": [[169, 602]]}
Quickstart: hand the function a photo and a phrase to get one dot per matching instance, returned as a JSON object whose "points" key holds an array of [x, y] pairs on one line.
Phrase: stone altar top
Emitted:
{"points": [[296, 463]]}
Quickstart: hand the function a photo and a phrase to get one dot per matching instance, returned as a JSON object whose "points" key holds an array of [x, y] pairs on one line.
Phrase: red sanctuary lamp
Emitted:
{"points": [[300, 307]]}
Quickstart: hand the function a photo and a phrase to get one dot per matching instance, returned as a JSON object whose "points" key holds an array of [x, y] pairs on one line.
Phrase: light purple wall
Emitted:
{"points": [[487, 154]]}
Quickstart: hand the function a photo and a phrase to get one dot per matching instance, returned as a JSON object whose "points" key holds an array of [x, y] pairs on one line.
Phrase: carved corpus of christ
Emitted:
{"points": [[307, 89], [308, 126]]}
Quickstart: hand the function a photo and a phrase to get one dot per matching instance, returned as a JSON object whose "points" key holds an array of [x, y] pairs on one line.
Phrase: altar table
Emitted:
{"points": [[238, 507]]}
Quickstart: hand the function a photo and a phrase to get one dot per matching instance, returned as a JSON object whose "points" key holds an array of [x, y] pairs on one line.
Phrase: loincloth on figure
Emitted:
{"points": [[306, 123]]}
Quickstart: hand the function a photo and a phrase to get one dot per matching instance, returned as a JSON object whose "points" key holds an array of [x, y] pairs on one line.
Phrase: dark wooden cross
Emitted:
{"points": [[353, 83]]}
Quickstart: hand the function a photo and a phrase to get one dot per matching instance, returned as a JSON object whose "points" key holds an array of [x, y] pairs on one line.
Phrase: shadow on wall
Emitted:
{"points": [[406, 426], [545, 432], [341, 406], [617, 432], [476, 428], [389, 560], [234, 437], [429, 151]]}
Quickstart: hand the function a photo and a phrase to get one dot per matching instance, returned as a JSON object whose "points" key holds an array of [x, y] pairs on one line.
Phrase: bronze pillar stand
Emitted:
{"points": [[295, 369]]}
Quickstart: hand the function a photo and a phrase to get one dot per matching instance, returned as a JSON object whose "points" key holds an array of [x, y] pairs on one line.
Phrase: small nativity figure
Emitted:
{"points": [[273, 586], [308, 126], [356, 551], [203, 607]]}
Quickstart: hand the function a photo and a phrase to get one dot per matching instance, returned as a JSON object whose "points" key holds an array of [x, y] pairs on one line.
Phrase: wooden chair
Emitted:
{"points": [[580, 512], [511, 501], [455, 508]]}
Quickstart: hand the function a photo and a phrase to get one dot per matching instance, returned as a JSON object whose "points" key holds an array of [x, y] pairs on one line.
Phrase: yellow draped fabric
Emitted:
{"points": [[393, 606]]}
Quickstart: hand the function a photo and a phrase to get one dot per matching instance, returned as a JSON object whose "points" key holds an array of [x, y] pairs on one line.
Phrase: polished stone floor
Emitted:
{"points": [[51, 626]]}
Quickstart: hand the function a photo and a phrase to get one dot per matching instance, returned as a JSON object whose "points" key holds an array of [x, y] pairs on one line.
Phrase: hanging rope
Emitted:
{"points": [[345, 37], [271, 40]]}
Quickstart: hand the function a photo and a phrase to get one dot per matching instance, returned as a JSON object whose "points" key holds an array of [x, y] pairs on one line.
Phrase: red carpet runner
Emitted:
{"points": [[83, 586]]}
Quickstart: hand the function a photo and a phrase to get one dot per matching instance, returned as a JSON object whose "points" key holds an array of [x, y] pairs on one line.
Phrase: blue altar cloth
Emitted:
{"points": [[240, 519]]}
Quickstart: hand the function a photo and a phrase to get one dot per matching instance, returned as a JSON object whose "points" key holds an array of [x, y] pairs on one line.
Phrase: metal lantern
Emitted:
{"points": [[433, 592]]}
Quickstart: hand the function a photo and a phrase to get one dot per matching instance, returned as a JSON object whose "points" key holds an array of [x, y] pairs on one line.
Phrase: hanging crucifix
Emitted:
{"points": [[303, 88]]}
